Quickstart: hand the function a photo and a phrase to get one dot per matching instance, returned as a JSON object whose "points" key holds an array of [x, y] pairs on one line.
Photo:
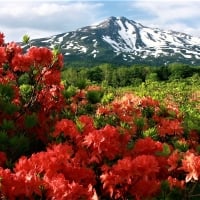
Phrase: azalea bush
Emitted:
{"points": [[62, 142]]}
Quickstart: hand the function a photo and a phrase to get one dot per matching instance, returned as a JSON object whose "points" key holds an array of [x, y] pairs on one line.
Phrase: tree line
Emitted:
{"points": [[126, 76]]}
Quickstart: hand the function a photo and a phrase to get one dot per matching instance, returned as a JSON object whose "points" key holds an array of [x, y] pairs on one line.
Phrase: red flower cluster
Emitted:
{"points": [[131, 148], [34, 77], [49, 173], [129, 174]]}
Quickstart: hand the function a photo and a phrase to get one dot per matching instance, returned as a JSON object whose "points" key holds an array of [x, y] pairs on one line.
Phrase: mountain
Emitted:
{"points": [[119, 40]]}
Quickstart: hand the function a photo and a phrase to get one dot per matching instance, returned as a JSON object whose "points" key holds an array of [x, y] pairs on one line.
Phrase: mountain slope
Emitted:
{"points": [[123, 41]]}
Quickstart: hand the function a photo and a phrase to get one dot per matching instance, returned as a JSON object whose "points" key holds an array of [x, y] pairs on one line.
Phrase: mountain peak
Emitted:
{"points": [[123, 41], [120, 18]]}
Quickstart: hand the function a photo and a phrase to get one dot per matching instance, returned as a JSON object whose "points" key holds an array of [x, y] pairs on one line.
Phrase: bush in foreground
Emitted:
{"points": [[57, 144]]}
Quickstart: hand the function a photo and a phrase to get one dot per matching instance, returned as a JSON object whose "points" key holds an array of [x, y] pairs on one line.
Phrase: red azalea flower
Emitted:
{"points": [[21, 63], [147, 146], [191, 165], [87, 124], [169, 127], [1, 39], [145, 166], [148, 101], [122, 178], [12, 49], [67, 127], [41, 56], [3, 158], [173, 160], [51, 98], [3, 55], [106, 142], [145, 189], [51, 77], [174, 182]]}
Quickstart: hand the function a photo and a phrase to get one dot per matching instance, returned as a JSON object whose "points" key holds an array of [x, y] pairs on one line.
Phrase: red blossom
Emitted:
{"points": [[60, 188], [145, 189], [3, 158], [173, 160], [12, 49], [81, 175], [169, 127], [21, 63], [41, 56], [174, 182], [77, 192], [147, 146], [7, 181], [87, 124], [22, 184], [149, 102], [1, 39], [106, 142], [51, 98], [51, 77], [67, 128], [81, 158], [191, 165], [3, 55], [102, 110], [59, 62], [145, 166], [129, 173]]}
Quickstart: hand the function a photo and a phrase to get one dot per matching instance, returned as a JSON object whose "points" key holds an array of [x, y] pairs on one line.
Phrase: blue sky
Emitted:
{"points": [[42, 18]]}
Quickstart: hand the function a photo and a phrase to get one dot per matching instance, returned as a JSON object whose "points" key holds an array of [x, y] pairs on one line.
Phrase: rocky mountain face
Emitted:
{"points": [[121, 41]]}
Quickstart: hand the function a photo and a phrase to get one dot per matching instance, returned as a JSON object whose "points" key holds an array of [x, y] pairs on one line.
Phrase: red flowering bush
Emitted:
{"points": [[58, 142]]}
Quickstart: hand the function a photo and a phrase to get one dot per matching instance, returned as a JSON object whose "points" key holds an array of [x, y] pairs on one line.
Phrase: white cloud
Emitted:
{"points": [[170, 10], [41, 18], [179, 15], [45, 17]]}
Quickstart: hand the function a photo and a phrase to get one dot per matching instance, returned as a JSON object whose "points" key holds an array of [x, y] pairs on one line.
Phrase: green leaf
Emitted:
{"points": [[26, 91], [7, 125], [26, 39], [130, 144], [182, 146], [24, 79], [107, 98], [3, 141], [31, 120], [94, 96], [70, 91], [79, 125], [6, 92], [140, 122], [165, 152], [8, 108], [56, 50], [19, 145], [151, 132]]}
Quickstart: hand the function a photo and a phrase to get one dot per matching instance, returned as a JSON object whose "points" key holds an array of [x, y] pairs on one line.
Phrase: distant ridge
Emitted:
{"points": [[119, 40]]}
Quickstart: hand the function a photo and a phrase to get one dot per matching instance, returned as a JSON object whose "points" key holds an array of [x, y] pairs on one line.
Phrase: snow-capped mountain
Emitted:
{"points": [[119, 40]]}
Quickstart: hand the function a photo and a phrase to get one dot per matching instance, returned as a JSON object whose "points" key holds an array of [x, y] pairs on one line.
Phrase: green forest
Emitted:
{"points": [[123, 76]]}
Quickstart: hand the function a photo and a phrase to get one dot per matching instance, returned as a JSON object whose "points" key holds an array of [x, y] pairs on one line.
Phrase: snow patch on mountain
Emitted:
{"points": [[125, 40]]}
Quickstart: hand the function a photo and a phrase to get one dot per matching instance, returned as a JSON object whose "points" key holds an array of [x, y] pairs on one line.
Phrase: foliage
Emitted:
{"points": [[123, 76], [66, 141]]}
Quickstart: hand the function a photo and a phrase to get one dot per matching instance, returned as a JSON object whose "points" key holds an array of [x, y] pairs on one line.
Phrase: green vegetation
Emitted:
{"points": [[177, 84], [123, 76]]}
